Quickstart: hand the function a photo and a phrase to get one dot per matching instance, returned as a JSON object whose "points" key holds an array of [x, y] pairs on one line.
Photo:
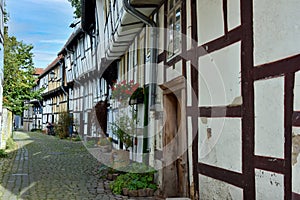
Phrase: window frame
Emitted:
{"points": [[174, 32]]}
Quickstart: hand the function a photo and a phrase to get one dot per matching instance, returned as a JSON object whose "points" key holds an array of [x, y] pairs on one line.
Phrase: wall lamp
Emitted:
{"points": [[52, 76], [73, 24]]}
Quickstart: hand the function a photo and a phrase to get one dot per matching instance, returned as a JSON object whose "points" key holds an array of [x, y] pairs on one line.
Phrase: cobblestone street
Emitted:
{"points": [[46, 167]]}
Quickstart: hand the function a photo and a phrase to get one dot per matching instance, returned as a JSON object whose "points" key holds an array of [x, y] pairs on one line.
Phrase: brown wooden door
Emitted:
{"points": [[174, 142]]}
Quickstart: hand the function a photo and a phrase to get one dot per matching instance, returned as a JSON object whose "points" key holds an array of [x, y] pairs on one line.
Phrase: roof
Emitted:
{"points": [[71, 39], [38, 71], [51, 65]]}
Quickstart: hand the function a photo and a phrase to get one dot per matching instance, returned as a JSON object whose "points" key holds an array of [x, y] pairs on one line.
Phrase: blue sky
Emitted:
{"points": [[42, 23]]}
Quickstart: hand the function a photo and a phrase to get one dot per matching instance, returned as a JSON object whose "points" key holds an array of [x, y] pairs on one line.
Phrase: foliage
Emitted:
{"points": [[76, 4], [122, 91], [123, 128], [65, 120], [77, 138], [3, 154], [134, 180], [18, 75], [104, 141], [10, 144]]}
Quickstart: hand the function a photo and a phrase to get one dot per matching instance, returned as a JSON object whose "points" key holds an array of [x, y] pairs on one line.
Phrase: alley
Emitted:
{"points": [[46, 167]]}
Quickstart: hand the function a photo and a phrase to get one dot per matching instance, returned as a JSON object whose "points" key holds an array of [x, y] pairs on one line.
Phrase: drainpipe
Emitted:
{"points": [[153, 53], [152, 86]]}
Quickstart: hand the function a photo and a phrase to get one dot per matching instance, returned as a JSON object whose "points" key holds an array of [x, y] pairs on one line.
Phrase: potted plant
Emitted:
{"points": [[123, 128]]}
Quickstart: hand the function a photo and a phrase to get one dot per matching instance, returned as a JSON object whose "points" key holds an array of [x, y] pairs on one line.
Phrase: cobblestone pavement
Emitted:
{"points": [[46, 167]]}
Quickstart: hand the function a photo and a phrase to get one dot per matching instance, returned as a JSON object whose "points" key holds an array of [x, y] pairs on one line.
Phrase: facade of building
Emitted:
{"points": [[55, 96], [218, 87], [220, 90], [32, 117]]}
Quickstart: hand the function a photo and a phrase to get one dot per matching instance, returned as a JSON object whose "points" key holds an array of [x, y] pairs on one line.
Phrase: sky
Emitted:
{"points": [[42, 23]]}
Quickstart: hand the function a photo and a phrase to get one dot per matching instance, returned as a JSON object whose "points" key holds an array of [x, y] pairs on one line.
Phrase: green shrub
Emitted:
{"points": [[3, 154], [62, 126], [77, 138], [10, 144], [139, 176]]}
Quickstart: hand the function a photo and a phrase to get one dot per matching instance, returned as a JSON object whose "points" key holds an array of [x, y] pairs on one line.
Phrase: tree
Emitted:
{"points": [[76, 4], [18, 74]]}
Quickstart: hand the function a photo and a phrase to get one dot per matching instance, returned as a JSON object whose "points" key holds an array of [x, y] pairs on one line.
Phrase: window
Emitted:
{"points": [[174, 27]]}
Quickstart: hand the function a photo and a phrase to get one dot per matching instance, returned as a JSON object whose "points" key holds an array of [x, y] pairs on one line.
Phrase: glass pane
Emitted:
{"points": [[177, 30], [170, 37]]}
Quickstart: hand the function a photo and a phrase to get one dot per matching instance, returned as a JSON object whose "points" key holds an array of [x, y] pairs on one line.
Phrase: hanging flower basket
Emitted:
{"points": [[123, 90]]}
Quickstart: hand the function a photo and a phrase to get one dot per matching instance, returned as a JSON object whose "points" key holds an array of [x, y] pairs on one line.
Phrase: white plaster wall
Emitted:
{"points": [[174, 72], [219, 76], [190, 150], [161, 30], [210, 20], [224, 148], [189, 89], [297, 92], [276, 30], [188, 25], [296, 166], [214, 189], [160, 73], [268, 185], [269, 117], [296, 131], [233, 14]]}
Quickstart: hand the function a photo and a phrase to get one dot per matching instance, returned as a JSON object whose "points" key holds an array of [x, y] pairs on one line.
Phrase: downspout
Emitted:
{"points": [[153, 52], [153, 62]]}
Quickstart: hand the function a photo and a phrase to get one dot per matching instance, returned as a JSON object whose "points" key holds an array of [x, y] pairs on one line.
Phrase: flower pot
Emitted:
{"points": [[142, 192], [133, 193], [119, 158], [150, 192], [125, 191]]}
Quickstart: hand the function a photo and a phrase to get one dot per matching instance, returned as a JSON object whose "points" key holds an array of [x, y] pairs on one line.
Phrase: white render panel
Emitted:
{"points": [[297, 92], [276, 30], [161, 31], [189, 25], [210, 20], [215, 150], [296, 160], [269, 117], [268, 185], [214, 189], [190, 147], [160, 73], [189, 88], [234, 14], [220, 81], [174, 72]]}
